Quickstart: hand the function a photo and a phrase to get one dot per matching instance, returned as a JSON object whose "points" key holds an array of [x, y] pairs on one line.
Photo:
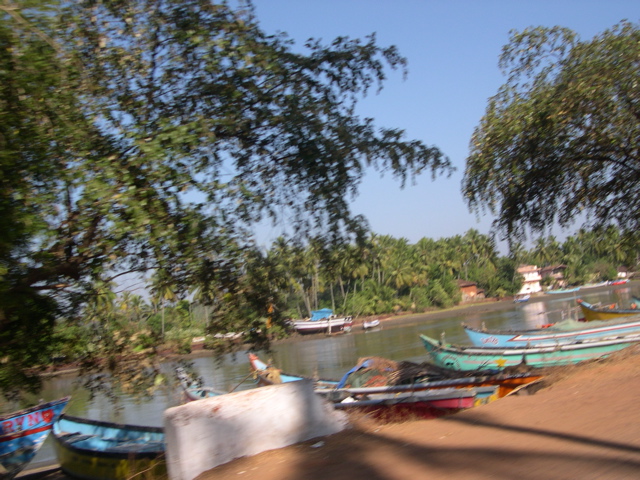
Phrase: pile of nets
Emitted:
{"points": [[380, 372]]}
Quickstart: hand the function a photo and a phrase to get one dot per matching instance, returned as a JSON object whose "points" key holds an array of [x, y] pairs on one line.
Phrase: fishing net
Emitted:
{"points": [[273, 375], [379, 372]]}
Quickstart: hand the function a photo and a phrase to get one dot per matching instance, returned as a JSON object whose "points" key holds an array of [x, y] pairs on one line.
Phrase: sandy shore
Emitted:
{"points": [[582, 423]]}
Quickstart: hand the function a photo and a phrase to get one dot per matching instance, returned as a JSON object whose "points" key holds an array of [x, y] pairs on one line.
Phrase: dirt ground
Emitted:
{"points": [[583, 422]]}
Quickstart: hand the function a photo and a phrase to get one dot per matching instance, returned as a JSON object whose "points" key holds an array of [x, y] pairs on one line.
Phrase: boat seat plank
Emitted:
{"points": [[73, 437]]}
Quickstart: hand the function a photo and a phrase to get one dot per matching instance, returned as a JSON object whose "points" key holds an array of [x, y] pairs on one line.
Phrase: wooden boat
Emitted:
{"points": [[521, 298], [268, 375], [22, 433], [594, 285], [327, 325], [563, 290], [192, 390], [428, 399], [497, 358], [417, 404], [368, 324], [619, 282], [561, 333], [95, 450], [607, 312], [338, 390]]}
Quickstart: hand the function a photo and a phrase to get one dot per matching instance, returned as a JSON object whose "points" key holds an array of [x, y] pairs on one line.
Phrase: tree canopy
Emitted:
{"points": [[140, 136], [560, 138]]}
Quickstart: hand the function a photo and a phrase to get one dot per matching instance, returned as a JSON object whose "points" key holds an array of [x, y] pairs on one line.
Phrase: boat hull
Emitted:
{"points": [[426, 404], [370, 324], [94, 450], [22, 433], [563, 290], [483, 358], [591, 313], [549, 336], [332, 325]]}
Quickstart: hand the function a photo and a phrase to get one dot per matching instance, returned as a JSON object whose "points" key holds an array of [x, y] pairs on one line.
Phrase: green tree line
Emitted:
{"points": [[383, 275]]}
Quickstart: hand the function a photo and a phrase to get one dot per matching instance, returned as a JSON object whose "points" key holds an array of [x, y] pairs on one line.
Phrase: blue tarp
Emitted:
{"points": [[320, 314]]}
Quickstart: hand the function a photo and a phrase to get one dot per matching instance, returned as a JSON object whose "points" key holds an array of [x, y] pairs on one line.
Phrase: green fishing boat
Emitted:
{"points": [[488, 358]]}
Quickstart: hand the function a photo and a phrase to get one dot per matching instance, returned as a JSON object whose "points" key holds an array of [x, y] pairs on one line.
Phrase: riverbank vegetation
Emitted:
{"points": [[384, 275]]}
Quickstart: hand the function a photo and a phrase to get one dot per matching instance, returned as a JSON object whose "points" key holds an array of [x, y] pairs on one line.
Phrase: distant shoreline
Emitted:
{"points": [[467, 309]]}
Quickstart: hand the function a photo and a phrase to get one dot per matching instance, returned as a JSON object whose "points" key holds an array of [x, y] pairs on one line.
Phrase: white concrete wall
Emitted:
{"points": [[203, 434]]}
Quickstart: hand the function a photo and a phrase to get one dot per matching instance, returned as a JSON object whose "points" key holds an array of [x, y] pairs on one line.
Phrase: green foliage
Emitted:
{"points": [[421, 300], [559, 138], [439, 295], [147, 136], [373, 299]]}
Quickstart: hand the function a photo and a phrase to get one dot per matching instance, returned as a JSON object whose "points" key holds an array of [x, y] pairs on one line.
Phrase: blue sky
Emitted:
{"points": [[452, 49]]}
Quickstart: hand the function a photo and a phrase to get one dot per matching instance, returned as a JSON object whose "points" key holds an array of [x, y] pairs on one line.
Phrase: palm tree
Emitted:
{"points": [[163, 291]]}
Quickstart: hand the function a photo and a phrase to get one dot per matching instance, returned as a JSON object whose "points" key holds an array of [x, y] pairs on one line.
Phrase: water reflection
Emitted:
{"points": [[327, 357]]}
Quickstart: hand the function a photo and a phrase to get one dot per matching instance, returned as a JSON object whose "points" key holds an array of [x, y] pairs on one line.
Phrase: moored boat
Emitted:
{"points": [[567, 331], [368, 324], [96, 450], [497, 358], [607, 312], [521, 298], [327, 325], [192, 390], [269, 375], [22, 433], [422, 404], [429, 398], [563, 290]]}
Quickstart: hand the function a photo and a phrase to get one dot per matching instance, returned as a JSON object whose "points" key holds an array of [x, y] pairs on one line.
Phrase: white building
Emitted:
{"points": [[532, 277]]}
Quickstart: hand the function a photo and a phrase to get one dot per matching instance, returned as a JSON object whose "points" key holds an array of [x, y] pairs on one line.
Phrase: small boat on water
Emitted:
{"points": [[567, 331], [393, 402], [22, 433], [521, 298], [323, 321], [562, 290], [497, 358], [96, 450], [369, 324], [606, 312]]}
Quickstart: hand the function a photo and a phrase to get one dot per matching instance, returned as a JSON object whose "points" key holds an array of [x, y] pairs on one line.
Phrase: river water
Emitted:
{"points": [[325, 356]]}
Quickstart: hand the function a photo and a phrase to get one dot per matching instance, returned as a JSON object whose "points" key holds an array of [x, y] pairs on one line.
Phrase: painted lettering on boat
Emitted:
{"points": [[491, 339], [25, 421]]}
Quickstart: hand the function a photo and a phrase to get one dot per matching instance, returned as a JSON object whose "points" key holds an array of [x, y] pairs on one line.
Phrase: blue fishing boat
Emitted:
{"points": [[22, 433], [96, 450], [561, 333], [193, 390], [563, 290], [497, 358]]}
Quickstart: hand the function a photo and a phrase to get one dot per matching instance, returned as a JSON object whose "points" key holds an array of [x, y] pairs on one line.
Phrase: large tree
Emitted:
{"points": [[561, 136], [146, 135]]}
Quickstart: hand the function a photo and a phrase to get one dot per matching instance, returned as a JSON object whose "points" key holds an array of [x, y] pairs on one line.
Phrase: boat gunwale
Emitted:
{"points": [[35, 408], [64, 442], [541, 349], [542, 332]]}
